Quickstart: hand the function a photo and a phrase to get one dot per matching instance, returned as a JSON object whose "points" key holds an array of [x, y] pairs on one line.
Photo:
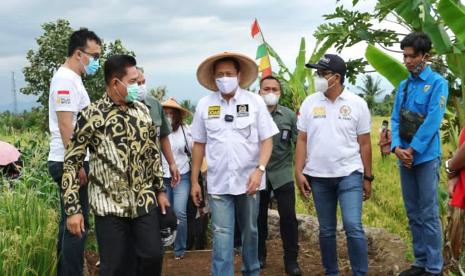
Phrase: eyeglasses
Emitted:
{"points": [[95, 56], [323, 73]]}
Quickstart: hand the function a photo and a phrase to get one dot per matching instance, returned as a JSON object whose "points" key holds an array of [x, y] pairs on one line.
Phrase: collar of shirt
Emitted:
{"points": [[423, 75], [108, 102], [342, 96], [278, 110], [236, 96]]}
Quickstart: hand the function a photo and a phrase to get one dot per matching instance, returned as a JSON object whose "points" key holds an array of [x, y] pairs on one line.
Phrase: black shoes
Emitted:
{"points": [[413, 271], [431, 274], [262, 263], [418, 271], [293, 269]]}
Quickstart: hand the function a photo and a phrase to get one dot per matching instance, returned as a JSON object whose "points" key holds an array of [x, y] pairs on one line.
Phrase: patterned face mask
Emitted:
{"points": [[417, 70]]}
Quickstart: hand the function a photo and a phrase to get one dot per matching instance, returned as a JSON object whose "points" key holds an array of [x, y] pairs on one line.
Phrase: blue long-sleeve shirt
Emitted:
{"points": [[427, 95]]}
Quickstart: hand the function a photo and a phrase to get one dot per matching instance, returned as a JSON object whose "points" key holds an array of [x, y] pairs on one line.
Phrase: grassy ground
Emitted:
{"points": [[28, 216]]}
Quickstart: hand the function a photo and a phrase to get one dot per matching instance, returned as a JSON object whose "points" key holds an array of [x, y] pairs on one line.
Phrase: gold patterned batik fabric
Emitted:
{"points": [[125, 162]]}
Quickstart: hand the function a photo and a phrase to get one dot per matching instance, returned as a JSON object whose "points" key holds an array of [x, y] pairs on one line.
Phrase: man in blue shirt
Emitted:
{"points": [[416, 117]]}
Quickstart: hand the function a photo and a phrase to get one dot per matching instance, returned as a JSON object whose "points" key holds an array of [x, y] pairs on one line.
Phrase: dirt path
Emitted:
{"points": [[197, 263]]}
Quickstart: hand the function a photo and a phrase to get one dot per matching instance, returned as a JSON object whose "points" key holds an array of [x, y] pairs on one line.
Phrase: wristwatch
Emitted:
{"points": [[450, 173], [448, 170], [261, 168], [369, 177]]}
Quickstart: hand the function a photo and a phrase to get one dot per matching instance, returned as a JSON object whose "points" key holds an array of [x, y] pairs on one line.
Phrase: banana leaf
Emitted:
{"points": [[456, 63], [408, 10], [435, 30], [386, 65], [319, 51], [273, 54], [297, 80], [453, 15]]}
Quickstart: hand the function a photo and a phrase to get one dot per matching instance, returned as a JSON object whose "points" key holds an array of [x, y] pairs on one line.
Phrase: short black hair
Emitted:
{"points": [[115, 66], [228, 59], [385, 122], [270, 77], [79, 38], [419, 41]]}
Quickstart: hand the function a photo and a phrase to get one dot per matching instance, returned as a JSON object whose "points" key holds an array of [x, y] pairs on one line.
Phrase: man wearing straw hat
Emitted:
{"points": [[233, 129]]}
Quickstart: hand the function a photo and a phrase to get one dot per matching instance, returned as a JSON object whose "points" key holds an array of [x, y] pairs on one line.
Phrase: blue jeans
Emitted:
{"points": [[419, 190], [224, 210], [178, 197], [348, 191], [70, 248]]}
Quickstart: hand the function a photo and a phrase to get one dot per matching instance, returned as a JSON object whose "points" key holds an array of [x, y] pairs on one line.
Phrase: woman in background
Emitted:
{"points": [[181, 146]]}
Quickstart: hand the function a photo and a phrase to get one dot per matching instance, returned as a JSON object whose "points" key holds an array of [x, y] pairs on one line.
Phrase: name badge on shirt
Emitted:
{"points": [[242, 110], [285, 135], [214, 111], [319, 112]]}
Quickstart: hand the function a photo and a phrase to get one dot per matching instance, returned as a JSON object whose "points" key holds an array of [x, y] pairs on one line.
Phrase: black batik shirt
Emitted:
{"points": [[125, 163]]}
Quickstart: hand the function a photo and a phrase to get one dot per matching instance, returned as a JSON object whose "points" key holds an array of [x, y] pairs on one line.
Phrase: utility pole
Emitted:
{"points": [[13, 85]]}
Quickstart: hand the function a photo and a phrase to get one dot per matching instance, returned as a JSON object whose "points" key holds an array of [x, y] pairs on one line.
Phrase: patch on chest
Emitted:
{"points": [[319, 112], [214, 111], [426, 88], [242, 110], [344, 112]]}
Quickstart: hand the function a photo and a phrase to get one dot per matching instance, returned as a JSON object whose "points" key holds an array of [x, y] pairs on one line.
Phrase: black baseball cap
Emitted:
{"points": [[333, 63], [168, 225]]}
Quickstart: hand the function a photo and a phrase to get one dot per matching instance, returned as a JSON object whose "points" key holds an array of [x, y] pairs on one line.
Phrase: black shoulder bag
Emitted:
{"points": [[409, 121], [189, 155]]}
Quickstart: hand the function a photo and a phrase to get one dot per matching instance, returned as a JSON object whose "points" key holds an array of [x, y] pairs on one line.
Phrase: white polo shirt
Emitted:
{"points": [[332, 130], [232, 148], [67, 93]]}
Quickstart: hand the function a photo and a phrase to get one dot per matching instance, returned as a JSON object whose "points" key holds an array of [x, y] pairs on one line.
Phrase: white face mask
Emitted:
{"points": [[142, 93], [321, 84], [271, 99], [170, 120], [227, 85]]}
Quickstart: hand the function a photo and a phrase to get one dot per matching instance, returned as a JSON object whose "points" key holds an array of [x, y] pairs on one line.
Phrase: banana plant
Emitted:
{"points": [[295, 84], [388, 66], [434, 19]]}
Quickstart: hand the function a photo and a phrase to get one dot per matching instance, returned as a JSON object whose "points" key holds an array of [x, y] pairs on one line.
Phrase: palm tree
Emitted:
{"points": [[158, 92], [187, 104], [370, 90]]}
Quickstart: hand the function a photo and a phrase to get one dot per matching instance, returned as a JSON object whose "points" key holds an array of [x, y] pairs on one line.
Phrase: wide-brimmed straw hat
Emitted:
{"points": [[172, 103], [248, 70]]}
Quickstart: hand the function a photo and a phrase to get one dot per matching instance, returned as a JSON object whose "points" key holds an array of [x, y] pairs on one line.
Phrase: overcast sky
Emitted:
{"points": [[169, 38]]}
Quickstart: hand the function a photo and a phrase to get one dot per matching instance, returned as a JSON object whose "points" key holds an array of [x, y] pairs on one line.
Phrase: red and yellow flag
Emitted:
{"points": [[264, 65]]}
